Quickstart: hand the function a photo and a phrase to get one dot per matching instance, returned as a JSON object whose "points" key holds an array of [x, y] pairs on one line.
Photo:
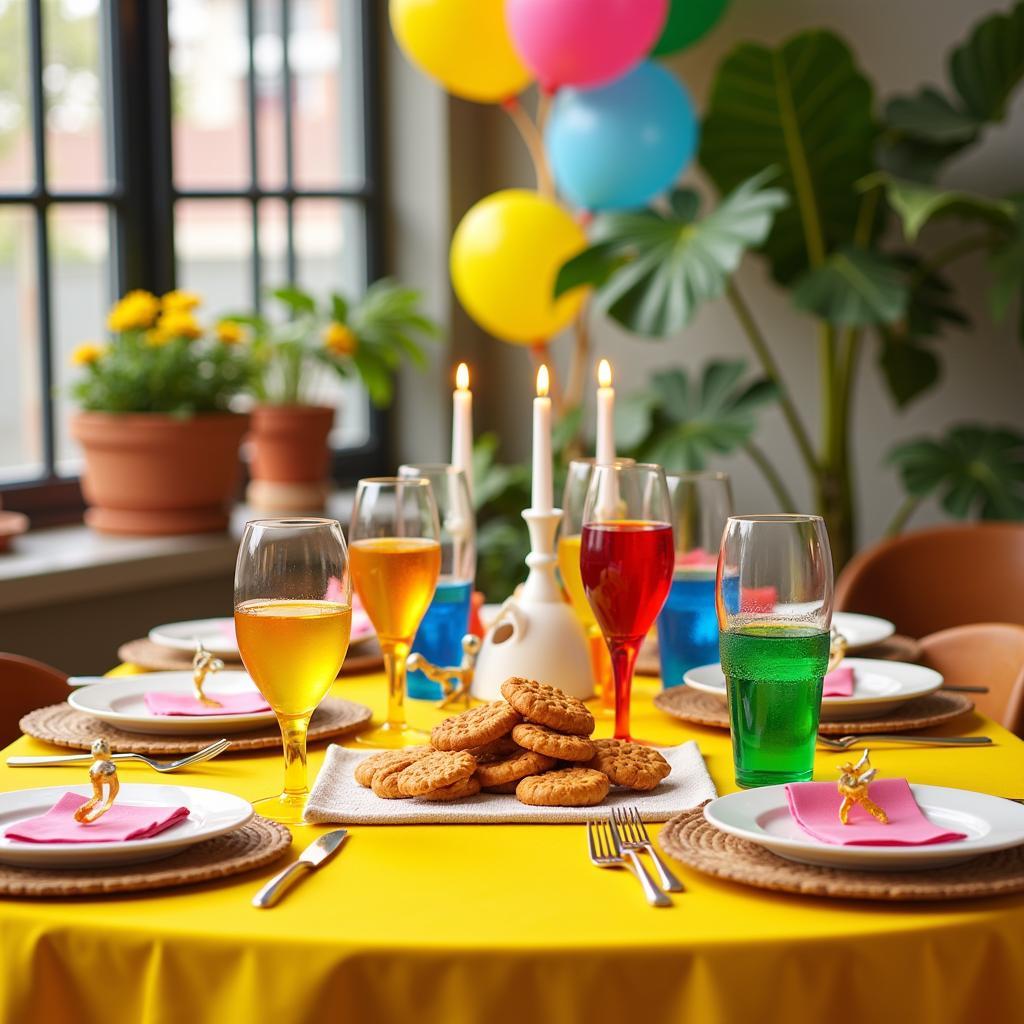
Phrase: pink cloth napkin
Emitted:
{"points": [[758, 599], [698, 558], [121, 822], [815, 808], [186, 704], [838, 682]]}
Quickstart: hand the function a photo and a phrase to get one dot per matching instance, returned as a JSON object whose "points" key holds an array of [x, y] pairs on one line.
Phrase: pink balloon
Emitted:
{"points": [[583, 42]]}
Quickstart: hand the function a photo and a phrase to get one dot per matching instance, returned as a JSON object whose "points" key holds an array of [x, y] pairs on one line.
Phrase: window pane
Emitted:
{"points": [[268, 59], [273, 244], [209, 81], [213, 239], [75, 87], [21, 405], [17, 169], [80, 255], [330, 247], [326, 62]]}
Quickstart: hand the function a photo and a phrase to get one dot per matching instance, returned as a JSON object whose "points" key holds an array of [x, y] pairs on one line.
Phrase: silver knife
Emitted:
{"points": [[311, 858]]}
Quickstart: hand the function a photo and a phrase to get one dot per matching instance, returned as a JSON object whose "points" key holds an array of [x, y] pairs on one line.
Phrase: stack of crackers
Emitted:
{"points": [[535, 743]]}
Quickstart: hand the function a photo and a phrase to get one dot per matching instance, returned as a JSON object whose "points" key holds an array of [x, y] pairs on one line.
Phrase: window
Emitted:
{"points": [[221, 145]]}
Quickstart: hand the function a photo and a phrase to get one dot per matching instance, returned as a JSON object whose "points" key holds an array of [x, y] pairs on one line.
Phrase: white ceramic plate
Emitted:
{"points": [[218, 635], [879, 687], [122, 703], [211, 813], [862, 630], [762, 816]]}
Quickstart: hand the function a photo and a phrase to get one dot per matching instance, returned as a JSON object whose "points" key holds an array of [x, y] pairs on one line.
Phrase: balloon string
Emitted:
{"points": [[534, 142]]}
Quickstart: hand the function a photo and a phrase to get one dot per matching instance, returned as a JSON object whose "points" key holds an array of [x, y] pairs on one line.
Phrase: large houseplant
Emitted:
{"points": [[833, 191], [159, 438], [366, 340]]}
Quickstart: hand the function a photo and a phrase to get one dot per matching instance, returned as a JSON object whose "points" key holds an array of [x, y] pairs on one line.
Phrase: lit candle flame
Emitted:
{"points": [[542, 381], [462, 377], [604, 374]]}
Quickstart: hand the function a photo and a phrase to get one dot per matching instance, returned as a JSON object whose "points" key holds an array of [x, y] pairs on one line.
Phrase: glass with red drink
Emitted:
{"points": [[626, 562]]}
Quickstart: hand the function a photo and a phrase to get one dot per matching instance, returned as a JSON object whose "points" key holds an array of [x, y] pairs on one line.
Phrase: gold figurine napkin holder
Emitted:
{"points": [[204, 664], [103, 776], [854, 780], [455, 680]]}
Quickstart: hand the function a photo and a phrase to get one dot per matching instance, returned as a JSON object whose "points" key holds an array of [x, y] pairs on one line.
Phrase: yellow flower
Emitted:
{"points": [[157, 337], [136, 311], [88, 353], [180, 301], [179, 324], [340, 339], [229, 332]]}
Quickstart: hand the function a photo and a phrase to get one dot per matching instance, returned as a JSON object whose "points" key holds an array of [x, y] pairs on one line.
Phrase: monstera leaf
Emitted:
{"points": [[854, 288], [918, 204], [973, 470], [987, 68], [929, 116], [806, 108], [653, 270], [1007, 265], [679, 423]]}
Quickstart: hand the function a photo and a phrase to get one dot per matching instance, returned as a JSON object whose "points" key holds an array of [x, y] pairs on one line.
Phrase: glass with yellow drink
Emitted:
{"points": [[395, 548], [293, 617]]}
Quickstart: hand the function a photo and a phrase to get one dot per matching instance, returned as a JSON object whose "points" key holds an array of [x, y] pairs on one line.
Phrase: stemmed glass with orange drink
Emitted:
{"points": [[293, 617], [395, 550], [577, 481]]}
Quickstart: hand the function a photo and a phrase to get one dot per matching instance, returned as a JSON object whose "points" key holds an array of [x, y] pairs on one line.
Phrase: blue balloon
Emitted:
{"points": [[620, 145]]}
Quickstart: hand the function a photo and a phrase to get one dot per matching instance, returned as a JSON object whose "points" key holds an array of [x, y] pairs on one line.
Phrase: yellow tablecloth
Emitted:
{"points": [[492, 923]]}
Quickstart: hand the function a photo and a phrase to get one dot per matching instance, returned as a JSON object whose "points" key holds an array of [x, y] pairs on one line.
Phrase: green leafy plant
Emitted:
{"points": [[822, 183], [368, 339], [160, 359]]}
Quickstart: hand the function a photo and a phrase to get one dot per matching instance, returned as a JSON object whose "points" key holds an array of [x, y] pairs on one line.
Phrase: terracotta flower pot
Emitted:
{"points": [[149, 473], [289, 458]]}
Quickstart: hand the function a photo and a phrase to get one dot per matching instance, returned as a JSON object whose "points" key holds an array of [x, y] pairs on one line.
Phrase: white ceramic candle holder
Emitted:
{"points": [[536, 633]]}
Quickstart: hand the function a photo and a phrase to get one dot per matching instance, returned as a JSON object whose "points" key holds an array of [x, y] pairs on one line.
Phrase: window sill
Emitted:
{"points": [[73, 562]]}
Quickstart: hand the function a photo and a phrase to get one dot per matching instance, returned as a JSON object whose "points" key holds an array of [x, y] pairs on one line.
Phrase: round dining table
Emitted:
{"points": [[490, 923]]}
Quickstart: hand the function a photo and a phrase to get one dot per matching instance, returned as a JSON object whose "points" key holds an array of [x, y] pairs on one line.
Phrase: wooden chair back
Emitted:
{"points": [[25, 685], [983, 654], [938, 578]]}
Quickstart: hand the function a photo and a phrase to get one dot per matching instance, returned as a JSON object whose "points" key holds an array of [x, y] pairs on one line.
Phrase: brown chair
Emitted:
{"points": [[24, 686], [937, 578], [983, 654]]}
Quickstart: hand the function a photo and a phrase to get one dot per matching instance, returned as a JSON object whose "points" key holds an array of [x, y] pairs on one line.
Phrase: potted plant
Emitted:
{"points": [[159, 438], [288, 449]]}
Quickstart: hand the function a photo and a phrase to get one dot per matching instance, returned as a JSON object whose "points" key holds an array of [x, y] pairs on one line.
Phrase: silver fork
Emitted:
{"points": [[161, 766], [606, 852], [634, 836], [845, 742]]}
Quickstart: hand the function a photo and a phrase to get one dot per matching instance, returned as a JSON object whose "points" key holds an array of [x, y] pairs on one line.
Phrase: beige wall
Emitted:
{"points": [[900, 46]]}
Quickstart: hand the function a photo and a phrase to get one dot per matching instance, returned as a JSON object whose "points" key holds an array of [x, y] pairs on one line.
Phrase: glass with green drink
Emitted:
{"points": [[774, 602]]}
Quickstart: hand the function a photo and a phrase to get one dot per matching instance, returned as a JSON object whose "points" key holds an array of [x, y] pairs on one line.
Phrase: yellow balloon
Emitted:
{"points": [[505, 256], [464, 44]]}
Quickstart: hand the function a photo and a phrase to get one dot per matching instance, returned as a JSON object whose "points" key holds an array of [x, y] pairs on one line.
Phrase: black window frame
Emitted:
{"points": [[142, 195]]}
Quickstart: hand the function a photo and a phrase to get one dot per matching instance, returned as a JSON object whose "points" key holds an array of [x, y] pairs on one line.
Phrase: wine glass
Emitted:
{"points": [[774, 602], [439, 638], [688, 624], [293, 617], [626, 561], [574, 497], [395, 549]]}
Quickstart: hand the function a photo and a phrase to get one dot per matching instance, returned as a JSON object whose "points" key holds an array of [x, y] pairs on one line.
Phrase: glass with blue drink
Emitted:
{"points": [[439, 638], [688, 624]]}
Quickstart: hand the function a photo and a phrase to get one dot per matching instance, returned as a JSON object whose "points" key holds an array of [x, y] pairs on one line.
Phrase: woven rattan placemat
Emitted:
{"points": [[708, 709], [252, 846], [364, 657], [63, 726], [690, 839]]}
